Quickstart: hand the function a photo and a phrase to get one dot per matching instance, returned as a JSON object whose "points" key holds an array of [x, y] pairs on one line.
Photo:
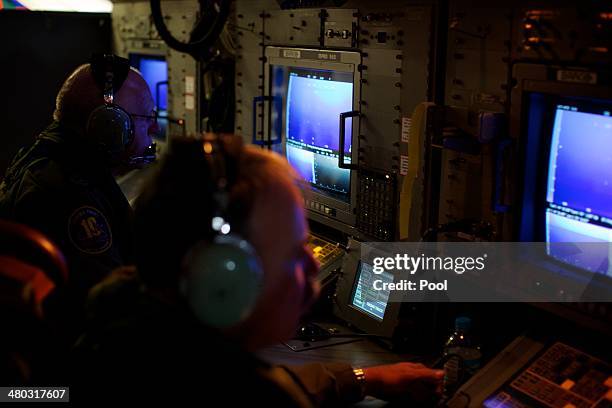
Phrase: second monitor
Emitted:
{"points": [[310, 90]]}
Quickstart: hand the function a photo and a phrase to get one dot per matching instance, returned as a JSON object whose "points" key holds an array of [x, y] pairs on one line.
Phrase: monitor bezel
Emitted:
{"points": [[543, 79], [540, 79], [308, 58], [344, 308], [534, 185], [538, 151]]}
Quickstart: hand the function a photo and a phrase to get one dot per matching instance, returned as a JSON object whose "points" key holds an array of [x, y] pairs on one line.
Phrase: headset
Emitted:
{"points": [[221, 278], [109, 126]]}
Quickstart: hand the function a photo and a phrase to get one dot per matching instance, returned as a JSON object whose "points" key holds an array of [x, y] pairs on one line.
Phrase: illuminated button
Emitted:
{"points": [[569, 406], [567, 384], [608, 382], [609, 395], [317, 249]]}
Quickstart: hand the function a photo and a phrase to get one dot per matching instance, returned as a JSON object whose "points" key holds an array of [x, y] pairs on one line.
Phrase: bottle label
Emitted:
{"points": [[470, 357]]}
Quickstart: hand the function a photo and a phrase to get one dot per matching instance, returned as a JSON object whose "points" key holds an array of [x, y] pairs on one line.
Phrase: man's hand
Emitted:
{"points": [[403, 380]]}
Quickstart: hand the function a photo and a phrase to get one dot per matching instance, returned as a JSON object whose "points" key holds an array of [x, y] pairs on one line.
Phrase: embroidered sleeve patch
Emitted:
{"points": [[89, 231]]}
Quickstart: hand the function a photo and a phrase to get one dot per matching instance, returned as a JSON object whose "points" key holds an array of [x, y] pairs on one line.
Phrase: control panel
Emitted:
{"points": [[327, 254], [529, 373], [561, 377], [377, 205]]}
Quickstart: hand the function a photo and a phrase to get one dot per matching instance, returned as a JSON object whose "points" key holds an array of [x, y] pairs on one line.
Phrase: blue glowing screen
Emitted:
{"points": [[314, 105], [314, 101], [155, 72], [365, 297], [579, 185]]}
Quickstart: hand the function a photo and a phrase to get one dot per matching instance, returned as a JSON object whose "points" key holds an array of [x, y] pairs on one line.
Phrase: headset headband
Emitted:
{"points": [[109, 72], [215, 156]]}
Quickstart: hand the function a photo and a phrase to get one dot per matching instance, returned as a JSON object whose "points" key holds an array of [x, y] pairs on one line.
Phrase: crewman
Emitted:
{"points": [[63, 184], [223, 271]]}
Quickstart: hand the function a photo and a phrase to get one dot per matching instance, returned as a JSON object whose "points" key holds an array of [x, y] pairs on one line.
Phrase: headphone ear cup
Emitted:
{"points": [[111, 128], [222, 281]]}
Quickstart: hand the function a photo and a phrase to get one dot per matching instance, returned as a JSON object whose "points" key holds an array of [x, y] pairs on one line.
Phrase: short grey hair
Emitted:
{"points": [[77, 98]]}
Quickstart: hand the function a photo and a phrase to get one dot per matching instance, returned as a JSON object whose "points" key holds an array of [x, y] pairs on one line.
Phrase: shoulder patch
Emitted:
{"points": [[89, 231]]}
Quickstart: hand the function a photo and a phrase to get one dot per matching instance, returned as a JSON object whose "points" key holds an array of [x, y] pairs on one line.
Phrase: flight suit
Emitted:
{"points": [[62, 187]]}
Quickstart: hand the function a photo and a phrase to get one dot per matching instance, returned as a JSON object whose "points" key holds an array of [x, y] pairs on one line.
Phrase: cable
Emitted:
{"points": [[228, 42], [196, 47]]}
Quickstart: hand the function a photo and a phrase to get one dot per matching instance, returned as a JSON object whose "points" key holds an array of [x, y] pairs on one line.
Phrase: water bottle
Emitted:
{"points": [[462, 355]]}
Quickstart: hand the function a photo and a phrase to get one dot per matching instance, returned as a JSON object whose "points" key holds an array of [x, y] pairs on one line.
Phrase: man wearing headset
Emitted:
{"points": [[224, 271], [63, 184]]}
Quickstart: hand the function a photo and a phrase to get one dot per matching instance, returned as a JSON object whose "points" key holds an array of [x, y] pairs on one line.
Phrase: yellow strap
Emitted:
{"points": [[409, 194]]}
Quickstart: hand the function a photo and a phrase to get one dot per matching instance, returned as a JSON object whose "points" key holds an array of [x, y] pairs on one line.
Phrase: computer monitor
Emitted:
{"points": [[154, 70], [314, 87], [357, 303], [378, 312], [579, 183], [568, 180]]}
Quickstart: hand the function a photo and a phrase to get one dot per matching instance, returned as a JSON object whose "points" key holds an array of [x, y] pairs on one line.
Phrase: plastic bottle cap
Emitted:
{"points": [[463, 323]]}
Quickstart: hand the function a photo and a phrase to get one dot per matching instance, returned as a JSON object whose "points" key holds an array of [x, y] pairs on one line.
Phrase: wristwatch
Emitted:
{"points": [[361, 380]]}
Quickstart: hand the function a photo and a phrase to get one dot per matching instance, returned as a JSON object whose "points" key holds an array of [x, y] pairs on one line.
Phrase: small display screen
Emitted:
{"points": [[365, 298]]}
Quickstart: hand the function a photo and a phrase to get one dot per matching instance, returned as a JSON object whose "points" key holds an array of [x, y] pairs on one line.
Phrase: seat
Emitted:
{"points": [[31, 267]]}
